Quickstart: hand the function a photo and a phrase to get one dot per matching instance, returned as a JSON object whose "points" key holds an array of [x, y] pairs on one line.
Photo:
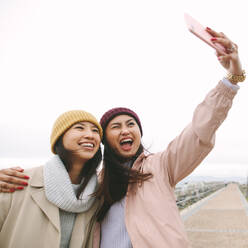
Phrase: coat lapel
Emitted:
{"points": [[38, 195], [83, 228], [78, 234]]}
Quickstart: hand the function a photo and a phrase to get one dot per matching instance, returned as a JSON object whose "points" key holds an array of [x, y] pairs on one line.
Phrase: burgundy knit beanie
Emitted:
{"points": [[109, 115]]}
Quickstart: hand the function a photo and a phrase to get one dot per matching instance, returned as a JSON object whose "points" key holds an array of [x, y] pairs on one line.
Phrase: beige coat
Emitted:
{"points": [[28, 219], [151, 214]]}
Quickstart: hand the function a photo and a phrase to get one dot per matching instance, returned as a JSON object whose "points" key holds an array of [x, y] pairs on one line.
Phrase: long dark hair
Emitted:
{"points": [[87, 171], [115, 177]]}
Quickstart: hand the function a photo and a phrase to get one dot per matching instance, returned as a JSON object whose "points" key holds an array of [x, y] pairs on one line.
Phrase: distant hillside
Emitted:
{"points": [[213, 179]]}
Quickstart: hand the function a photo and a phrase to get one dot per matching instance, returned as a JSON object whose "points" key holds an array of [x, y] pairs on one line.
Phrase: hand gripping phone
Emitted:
{"points": [[199, 30]]}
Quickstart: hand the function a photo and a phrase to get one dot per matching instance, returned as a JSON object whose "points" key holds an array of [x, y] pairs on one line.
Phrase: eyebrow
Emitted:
{"points": [[132, 119], [80, 123], [119, 123], [83, 124]]}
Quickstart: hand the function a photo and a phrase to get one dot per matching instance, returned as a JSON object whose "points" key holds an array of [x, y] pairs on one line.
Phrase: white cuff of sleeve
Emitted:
{"points": [[230, 85]]}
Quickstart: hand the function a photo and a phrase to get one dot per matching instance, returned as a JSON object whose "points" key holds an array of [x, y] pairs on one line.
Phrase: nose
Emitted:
{"points": [[88, 134], [124, 131]]}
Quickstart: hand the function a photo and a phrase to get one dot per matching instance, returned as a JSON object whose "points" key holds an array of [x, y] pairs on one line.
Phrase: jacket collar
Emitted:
{"points": [[37, 180], [138, 162]]}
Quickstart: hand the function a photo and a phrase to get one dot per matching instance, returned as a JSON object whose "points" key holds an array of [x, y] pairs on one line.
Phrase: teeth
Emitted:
{"points": [[87, 145], [126, 141]]}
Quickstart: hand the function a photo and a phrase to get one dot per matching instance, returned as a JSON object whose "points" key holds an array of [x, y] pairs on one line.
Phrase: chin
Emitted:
{"points": [[86, 156], [128, 155]]}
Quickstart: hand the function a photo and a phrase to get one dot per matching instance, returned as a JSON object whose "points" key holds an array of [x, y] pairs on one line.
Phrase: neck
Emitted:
{"points": [[123, 160], [75, 171]]}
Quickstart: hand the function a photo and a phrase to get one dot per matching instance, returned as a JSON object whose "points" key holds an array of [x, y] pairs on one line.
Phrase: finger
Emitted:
{"points": [[225, 60], [218, 54], [222, 35], [226, 57], [226, 43], [5, 189], [17, 168], [12, 172], [223, 41], [2, 190], [215, 34], [13, 180], [10, 187]]}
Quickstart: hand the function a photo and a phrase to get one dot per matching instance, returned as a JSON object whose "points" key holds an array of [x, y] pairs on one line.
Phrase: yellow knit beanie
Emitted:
{"points": [[66, 120]]}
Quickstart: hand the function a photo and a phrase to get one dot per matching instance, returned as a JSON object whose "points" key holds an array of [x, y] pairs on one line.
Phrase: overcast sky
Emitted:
{"points": [[61, 55]]}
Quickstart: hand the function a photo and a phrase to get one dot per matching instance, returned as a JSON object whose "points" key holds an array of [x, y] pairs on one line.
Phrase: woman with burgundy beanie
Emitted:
{"points": [[139, 207], [137, 189]]}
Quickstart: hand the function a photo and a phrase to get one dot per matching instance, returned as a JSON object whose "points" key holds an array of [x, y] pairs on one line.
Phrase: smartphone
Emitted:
{"points": [[199, 30]]}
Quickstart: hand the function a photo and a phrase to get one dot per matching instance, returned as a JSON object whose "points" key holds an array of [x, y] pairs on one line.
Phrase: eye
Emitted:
{"points": [[79, 127], [95, 130], [130, 124]]}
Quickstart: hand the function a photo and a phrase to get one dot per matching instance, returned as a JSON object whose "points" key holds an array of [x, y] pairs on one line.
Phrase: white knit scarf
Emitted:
{"points": [[59, 190]]}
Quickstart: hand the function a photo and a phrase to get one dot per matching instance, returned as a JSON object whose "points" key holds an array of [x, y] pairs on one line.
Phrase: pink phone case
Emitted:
{"points": [[198, 30]]}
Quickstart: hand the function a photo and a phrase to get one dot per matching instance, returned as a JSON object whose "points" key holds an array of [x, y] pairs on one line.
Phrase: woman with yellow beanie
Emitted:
{"points": [[56, 208]]}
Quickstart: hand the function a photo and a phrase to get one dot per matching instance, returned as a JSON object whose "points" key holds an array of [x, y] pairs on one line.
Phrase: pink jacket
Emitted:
{"points": [[151, 214]]}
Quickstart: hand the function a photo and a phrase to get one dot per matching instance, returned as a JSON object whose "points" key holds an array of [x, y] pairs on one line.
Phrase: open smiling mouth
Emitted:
{"points": [[126, 144]]}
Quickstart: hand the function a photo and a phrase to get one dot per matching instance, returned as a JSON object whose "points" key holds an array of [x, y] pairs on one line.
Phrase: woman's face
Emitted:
{"points": [[82, 140], [123, 135]]}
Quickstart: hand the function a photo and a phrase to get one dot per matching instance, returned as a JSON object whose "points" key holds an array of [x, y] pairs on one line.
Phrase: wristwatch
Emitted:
{"points": [[236, 78]]}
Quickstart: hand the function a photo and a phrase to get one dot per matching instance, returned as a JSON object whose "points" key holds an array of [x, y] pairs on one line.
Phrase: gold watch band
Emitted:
{"points": [[236, 78]]}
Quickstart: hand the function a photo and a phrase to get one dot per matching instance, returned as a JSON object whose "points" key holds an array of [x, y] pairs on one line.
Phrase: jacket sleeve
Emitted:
{"points": [[187, 150], [5, 203]]}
